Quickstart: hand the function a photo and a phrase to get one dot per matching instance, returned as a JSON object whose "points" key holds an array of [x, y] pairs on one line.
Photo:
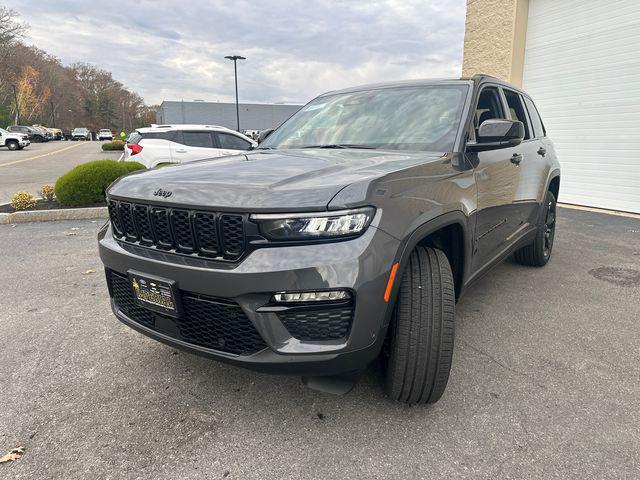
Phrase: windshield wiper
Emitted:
{"points": [[341, 145]]}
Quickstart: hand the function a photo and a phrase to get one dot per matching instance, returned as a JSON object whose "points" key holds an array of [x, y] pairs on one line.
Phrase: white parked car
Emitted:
{"points": [[80, 133], [105, 134], [13, 140], [158, 144]]}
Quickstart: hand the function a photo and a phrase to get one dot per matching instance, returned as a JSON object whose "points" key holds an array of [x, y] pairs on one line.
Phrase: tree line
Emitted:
{"points": [[36, 88]]}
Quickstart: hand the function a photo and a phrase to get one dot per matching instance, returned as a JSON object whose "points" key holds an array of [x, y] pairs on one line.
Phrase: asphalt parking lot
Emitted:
{"points": [[545, 382], [39, 163]]}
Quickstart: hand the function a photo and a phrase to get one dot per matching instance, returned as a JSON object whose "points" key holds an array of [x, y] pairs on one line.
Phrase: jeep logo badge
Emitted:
{"points": [[162, 193]]}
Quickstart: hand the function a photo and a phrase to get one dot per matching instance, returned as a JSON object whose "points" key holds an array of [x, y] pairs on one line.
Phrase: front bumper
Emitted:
{"points": [[361, 265]]}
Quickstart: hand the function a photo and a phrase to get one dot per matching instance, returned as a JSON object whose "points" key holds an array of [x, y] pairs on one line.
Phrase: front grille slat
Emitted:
{"points": [[128, 225], [115, 218], [217, 324], [143, 223], [206, 227], [233, 235], [161, 228], [182, 232], [190, 232]]}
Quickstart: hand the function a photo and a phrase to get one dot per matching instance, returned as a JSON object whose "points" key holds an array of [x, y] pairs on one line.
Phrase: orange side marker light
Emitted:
{"points": [[392, 277]]}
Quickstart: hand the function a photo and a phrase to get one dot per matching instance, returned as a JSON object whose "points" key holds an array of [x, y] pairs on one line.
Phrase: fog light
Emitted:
{"points": [[327, 295]]}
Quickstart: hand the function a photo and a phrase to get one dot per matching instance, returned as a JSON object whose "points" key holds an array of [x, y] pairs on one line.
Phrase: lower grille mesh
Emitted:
{"points": [[318, 325], [209, 322]]}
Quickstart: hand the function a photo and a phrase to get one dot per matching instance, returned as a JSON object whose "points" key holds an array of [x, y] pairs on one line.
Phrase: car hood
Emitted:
{"points": [[278, 180]]}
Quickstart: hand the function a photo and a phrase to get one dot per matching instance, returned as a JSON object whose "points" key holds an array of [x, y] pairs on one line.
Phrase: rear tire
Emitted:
{"points": [[538, 253], [12, 145], [422, 330]]}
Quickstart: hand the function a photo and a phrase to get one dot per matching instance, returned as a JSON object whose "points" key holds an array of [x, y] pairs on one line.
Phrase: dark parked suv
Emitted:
{"points": [[346, 236], [33, 134]]}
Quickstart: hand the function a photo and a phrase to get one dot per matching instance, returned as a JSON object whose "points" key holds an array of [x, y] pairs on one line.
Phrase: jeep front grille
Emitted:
{"points": [[214, 235]]}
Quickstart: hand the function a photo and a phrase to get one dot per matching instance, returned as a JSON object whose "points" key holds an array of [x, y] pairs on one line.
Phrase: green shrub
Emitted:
{"points": [[86, 184], [116, 145]]}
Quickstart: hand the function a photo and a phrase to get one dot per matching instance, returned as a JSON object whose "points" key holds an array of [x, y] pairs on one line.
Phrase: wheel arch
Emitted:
{"points": [[554, 184], [449, 232]]}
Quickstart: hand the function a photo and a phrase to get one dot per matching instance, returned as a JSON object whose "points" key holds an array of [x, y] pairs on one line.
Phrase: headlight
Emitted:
{"points": [[314, 226]]}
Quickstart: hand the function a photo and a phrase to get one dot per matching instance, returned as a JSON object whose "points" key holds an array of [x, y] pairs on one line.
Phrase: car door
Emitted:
{"points": [[541, 165], [533, 169], [231, 144], [497, 176], [191, 145]]}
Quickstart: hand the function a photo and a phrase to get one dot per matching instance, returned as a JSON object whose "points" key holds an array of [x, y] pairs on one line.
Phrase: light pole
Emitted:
{"points": [[235, 59]]}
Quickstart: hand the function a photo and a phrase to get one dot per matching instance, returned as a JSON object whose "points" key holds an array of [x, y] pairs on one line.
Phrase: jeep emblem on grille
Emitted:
{"points": [[162, 193]]}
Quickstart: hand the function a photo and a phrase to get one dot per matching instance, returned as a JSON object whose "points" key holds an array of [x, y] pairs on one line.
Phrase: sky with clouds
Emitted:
{"points": [[172, 49]]}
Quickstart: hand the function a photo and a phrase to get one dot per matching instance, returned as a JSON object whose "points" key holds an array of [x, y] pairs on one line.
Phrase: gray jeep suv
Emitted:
{"points": [[346, 236]]}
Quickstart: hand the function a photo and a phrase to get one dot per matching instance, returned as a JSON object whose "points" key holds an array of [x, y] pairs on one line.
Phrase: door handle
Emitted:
{"points": [[542, 151], [181, 150], [516, 158]]}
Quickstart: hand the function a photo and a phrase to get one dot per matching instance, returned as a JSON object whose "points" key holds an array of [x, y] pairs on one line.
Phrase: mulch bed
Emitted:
{"points": [[42, 205]]}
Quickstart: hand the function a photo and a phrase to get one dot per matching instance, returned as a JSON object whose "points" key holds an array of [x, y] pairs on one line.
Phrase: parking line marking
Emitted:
{"points": [[40, 156]]}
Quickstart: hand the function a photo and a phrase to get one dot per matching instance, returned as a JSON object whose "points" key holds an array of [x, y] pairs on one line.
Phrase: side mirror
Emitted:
{"points": [[498, 133], [264, 134]]}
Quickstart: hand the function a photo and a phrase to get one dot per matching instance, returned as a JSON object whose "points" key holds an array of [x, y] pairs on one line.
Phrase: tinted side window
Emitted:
{"points": [[155, 135], [538, 127], [232, 142], [197, 139], [489, 107], [516, 110]]}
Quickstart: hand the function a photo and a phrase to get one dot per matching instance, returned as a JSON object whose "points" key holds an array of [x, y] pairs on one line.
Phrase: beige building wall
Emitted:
{"points": [[494, 38]]}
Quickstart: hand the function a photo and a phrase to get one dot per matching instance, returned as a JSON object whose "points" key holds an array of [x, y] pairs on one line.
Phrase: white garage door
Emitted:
{"points": [[582, 68]]}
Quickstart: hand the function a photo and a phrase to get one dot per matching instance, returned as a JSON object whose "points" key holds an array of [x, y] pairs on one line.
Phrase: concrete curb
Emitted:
{"points": [[52, 215]]}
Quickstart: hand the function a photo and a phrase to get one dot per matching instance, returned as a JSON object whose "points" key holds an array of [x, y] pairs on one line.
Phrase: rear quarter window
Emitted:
{"points": [[536, 121]]}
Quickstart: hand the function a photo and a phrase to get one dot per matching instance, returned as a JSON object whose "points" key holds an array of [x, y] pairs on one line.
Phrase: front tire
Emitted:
{"points": [[11, 145], [538, 253], [422, 330]]}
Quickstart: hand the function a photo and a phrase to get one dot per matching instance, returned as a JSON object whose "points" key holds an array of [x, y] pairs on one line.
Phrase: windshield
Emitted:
{"points": [[423, 118], [79, 130]]}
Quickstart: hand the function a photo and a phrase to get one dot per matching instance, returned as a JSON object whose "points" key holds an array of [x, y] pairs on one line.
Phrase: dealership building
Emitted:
{"points": [[580, 62], [253, 116]]}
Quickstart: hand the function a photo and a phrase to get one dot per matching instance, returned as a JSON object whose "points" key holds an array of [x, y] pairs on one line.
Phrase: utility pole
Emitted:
{"points": [[235, 59], [15, 96]]}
